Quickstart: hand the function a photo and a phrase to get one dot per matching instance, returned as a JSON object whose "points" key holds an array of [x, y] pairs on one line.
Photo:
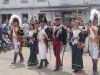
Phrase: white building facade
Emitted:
{"points": [[69, 10]]}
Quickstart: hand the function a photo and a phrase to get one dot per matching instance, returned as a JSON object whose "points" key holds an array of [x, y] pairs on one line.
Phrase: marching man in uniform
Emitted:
{"points": [[17, 35], [94, 39], [43, 37], [59, 39]]}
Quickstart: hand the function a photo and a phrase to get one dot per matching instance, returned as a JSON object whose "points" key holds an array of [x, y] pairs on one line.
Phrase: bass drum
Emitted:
{"points": [[86, 44]]}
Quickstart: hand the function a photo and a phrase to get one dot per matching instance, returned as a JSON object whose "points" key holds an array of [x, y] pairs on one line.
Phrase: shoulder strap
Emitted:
{"points": [[58, 32], [45, 34]]}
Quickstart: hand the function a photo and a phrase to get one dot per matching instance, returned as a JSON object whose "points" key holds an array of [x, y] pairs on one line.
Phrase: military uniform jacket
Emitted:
{"points": [[94, 33], [44, 34], [60, 33], [19, 31]]}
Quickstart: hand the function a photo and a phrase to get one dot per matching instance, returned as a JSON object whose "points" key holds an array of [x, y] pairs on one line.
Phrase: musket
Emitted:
{"points": [[51, 22], [63, 56], [33, 6], [30, 11], [51, 11], [50, 52]]}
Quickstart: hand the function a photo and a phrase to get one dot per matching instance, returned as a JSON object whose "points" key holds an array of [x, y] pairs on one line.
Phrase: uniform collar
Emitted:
{"points": [[56, 28], [58, 25], [44, 27], [77, 28], [94, 25]]}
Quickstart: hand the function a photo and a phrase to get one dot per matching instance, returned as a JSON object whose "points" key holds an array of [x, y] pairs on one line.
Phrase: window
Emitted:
{"points": [[5, 1], [41, 0], [24, 1], [41, 14], [5, 16], [24, 17], [67, 12]]}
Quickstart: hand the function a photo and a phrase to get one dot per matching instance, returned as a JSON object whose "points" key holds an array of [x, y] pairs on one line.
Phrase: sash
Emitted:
{"points": [[19, 38], [93, 30]]}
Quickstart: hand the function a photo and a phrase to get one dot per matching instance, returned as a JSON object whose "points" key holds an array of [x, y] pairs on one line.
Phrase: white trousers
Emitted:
{"points": [[68, 34], [94, 52], [42, 49], [26, 33], [16, 45]]}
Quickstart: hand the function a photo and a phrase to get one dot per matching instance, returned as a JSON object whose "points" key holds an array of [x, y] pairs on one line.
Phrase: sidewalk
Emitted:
{"points": [[6, 68]]}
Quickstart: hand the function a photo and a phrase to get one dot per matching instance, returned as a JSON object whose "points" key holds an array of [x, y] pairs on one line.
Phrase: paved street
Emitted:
{"points": [[6, 68]]}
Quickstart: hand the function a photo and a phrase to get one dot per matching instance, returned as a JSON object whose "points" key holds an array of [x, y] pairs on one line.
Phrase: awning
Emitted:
{"points": [[63, 9]]}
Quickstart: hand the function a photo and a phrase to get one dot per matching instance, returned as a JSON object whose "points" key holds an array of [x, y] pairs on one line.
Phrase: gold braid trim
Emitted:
{"points": [[77, 65]]}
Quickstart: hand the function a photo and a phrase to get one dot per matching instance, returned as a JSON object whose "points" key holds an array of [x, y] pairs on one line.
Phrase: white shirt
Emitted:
{"points": [[26, 26], [26, 29], [7, 40], [76, 34], [35, 19]]}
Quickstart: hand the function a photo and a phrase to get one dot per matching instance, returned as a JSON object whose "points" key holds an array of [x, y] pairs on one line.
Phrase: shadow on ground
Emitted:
{"points": [[48, 71], [17, 65]]}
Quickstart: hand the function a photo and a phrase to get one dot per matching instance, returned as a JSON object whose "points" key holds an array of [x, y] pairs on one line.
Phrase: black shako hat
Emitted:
{"points": [[42, 18], [95, 17], [16, 20]]}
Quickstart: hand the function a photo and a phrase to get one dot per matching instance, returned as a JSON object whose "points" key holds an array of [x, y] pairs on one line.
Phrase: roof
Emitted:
{"points": [[69, 8], [62, 6]]}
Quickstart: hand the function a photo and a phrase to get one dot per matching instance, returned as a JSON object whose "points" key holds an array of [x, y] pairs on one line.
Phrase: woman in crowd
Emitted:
{"points": [[33, 46], [77, 41]]}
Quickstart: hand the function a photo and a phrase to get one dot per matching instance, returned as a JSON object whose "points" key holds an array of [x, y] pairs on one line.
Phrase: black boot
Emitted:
{"points": [[14, 61], [41, 64], [46, 62], [75, 71], [56, 69], [21, 57], [94, 68], [61, 65]]}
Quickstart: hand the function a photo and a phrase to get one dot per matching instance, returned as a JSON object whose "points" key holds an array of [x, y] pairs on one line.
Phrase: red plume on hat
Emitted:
{"points": [[44, 16], [57, 17]]}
